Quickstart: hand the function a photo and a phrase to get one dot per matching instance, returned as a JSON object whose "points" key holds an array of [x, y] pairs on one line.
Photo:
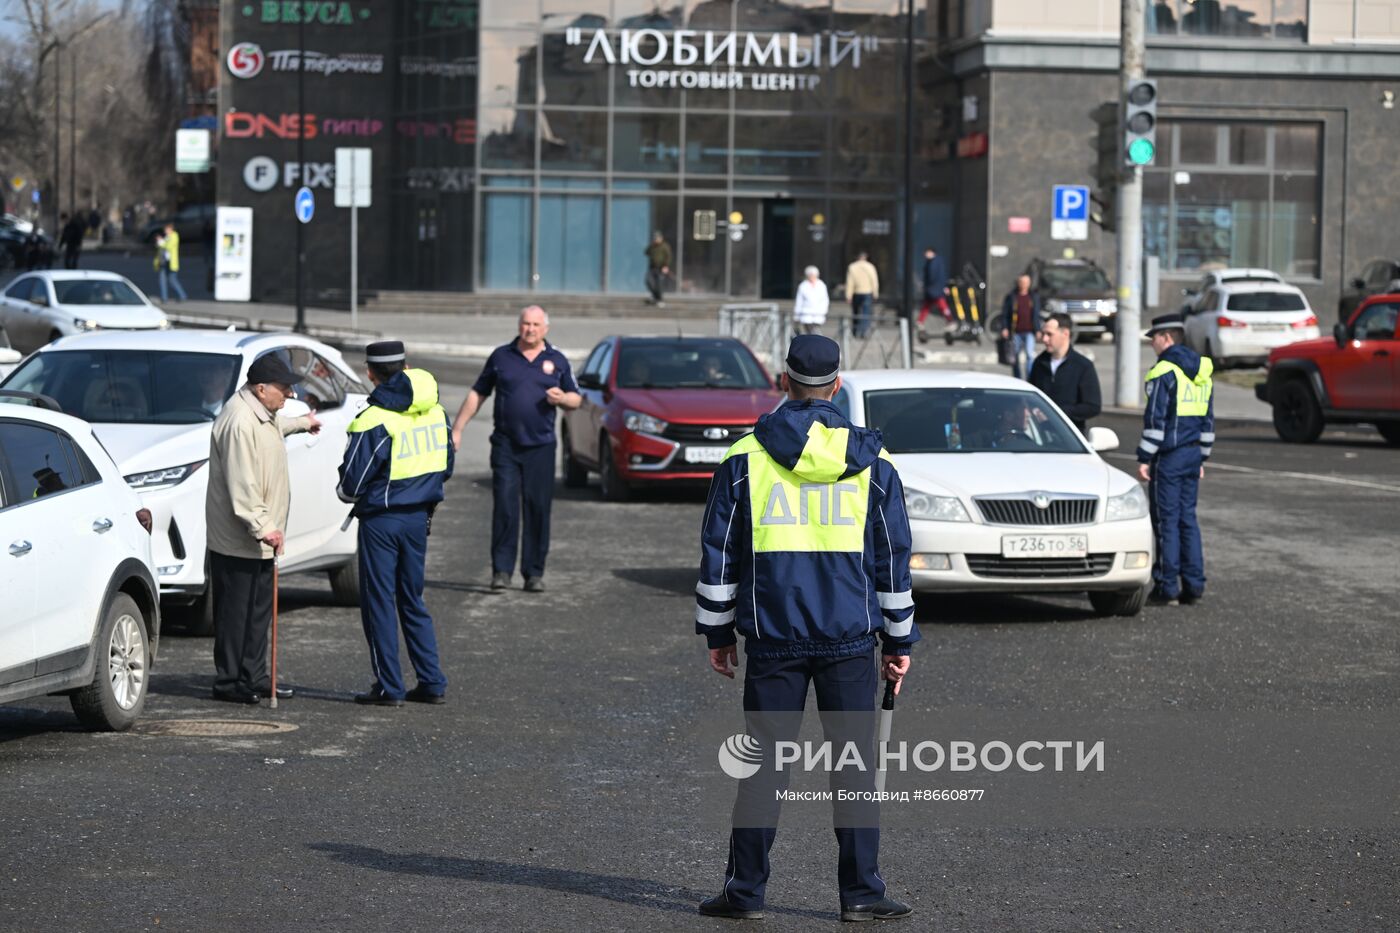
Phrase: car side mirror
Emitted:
{"points": [[295, 408], [588, 381], [8, 356], [1339, 334], [40, 301], [1103, 439]]}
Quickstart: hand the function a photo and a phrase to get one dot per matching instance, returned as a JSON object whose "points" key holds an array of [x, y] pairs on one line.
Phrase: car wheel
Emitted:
{"points": [[1390, 430], [1297, 416], [575, 473], [1119, 603], [117, 694], [345, 583], [614, 488]]}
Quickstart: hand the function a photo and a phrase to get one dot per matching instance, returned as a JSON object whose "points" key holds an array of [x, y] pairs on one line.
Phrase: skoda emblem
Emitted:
{"points": [[1041, 500], [716, 434]]}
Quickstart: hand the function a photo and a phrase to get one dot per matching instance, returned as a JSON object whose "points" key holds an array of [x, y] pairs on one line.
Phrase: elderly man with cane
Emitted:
{"points": [[246, 515]]}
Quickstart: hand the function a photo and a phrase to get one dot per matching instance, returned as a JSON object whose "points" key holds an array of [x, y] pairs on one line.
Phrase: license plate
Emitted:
{"points": [[705, 454], [1044, 546], [1268, 328]]}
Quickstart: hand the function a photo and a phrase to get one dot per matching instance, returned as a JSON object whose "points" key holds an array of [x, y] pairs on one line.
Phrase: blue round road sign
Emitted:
{"points": [[305, 205]]}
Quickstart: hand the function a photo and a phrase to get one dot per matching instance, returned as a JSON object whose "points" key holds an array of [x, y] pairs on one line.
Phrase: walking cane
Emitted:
{"points": [[886, 721], [273, 692]]}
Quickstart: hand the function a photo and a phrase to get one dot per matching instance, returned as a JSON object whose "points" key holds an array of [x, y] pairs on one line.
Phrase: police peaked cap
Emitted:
{"points": [[813, 360], [385, 351], [1167, 322]]}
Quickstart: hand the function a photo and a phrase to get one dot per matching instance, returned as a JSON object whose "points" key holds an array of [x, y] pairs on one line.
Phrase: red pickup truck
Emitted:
{"points": [[1351, 378]]}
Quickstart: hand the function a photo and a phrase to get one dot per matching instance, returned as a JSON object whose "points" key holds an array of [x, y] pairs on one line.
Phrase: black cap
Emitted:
{"points": [[385, 351], [1167, 322], [271, 369], [813, 360]]}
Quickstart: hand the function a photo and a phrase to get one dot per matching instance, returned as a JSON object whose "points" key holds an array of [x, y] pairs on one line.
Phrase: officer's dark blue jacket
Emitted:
{"points": [[1164, 425], [400, 448], [805, 541]]}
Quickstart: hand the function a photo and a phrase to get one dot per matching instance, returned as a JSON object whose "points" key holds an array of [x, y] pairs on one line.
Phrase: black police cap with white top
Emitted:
{"points": [[385, 351], [813, 360], [1164, 322], [270, 369]]}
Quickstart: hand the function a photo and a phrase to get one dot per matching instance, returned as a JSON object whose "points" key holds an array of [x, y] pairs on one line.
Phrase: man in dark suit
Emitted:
{"points": [[1064, 374]]}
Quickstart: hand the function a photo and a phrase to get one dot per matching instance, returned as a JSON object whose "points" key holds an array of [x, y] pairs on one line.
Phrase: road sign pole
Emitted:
{"points": [[1128, 341], [354, 253]]}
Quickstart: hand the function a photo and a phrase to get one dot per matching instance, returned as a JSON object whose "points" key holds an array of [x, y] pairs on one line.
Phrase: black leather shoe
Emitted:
{"points": [[246, 697], [283, 693], [719, 906], [421, 694], [534, 585], [1189, 598], [500, 581], [886, 908], [1158, 598], [377, 697]]}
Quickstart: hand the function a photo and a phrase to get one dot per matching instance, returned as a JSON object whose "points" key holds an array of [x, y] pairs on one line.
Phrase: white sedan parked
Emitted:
{"points": [[1240, 322], [40, 307], [152, 398], [1004, 495]]}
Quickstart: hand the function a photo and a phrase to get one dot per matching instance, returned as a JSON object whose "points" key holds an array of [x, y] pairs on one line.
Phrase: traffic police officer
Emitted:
{"points": [[1178, 431], [399, 455], [805, 550]]}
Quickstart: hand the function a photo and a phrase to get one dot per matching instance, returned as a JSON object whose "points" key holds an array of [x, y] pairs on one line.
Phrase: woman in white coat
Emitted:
{"points": [[809, 311]]}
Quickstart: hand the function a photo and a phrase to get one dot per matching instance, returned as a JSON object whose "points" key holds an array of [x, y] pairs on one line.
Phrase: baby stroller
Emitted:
{"points": [[968, 325]]}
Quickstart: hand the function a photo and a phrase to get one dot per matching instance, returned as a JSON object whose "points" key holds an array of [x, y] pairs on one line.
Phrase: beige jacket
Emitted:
{"points": [[862, 279], [249, 490]]}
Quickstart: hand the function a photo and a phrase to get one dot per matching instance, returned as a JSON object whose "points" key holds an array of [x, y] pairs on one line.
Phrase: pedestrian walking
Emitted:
{"points": [[245, 515], [862, 285], [399, 455], [1178, 432], [70, 239], [658, 253], [1065, 374], [935, 277], [803, 594], [812, 302], [1020, 322], [532, 379], [167, 263]]}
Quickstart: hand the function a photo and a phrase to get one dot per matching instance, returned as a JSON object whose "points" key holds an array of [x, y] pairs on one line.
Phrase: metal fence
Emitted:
{"points": [[767, 330]]}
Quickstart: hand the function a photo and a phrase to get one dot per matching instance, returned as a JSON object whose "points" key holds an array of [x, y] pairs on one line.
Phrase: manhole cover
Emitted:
{"points": [[212, 728]]}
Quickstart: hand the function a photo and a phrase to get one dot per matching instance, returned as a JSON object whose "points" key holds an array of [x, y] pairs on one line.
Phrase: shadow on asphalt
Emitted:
{"points": [[197, 687], [965, 608], [634, 892], [676, 580], [480, 589], [20, 723]]}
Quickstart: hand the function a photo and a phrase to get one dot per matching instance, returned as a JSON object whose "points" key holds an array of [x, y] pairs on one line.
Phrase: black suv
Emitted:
{"points": [[1379, 277], [1080, 289]]}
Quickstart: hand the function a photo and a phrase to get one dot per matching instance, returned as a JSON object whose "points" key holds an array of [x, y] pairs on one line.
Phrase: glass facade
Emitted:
{"points": [[1233, 19], [756, 136], [1235, 194]]}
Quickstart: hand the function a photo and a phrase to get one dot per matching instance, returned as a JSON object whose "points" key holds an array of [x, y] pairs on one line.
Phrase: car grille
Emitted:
{"points": [[1039, 568], [1025, 512], [1077, 305], [695, 433]]}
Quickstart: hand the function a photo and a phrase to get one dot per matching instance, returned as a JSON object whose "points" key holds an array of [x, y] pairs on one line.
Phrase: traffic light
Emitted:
{"points": [[1140, 122], [1108, 164]]}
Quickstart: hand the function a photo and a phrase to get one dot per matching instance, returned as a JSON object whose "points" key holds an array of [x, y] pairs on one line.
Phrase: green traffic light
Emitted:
{"points": [[1141, 151]]}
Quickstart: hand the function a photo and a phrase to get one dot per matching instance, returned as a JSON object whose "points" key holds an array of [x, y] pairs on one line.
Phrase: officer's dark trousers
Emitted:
{"points": [[393, 547], [772, 685], [1171, 494], [242, 617], [522, 490]]}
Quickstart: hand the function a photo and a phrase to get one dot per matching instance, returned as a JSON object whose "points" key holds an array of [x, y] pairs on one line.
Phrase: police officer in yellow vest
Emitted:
{"points": [[1178, 432], [398, 457]]}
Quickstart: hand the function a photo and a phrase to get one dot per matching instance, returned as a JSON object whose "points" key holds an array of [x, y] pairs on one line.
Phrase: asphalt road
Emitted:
{"points": [[551, 793]]}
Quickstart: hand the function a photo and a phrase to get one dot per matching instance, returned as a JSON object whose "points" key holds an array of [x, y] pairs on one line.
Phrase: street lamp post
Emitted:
{"points": [[73, 132], [907, 261], [57, 48]]}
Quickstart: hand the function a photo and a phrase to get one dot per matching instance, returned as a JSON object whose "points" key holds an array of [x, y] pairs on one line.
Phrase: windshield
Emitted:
{"points": [[1266, 301], [957, 420], [131, 386], [719, 365], [1075, 278], [99, 292]]}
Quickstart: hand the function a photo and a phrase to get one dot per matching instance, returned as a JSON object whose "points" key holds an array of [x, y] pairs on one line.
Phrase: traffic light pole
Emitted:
{"points": [[1128, 342]]}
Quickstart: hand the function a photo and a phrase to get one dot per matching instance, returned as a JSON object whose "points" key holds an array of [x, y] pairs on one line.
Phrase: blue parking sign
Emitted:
{"points": [[1071, 202]]}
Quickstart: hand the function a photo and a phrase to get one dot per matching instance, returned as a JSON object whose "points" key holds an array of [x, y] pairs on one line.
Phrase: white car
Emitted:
{"points": [[1215, 277], [1240, 322], [9, 357], [152, 399], [80, 608], [40, 307], [1004, 494]]}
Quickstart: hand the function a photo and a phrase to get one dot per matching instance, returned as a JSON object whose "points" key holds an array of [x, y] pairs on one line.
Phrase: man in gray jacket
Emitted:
{"points": [[246, 517]]}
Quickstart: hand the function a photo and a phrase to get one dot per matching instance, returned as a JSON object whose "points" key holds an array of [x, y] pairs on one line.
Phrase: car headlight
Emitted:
{"points": [[83, 323], [1108, 306], [641, 421], [934, 508], [158, 479], [1131, 504], [164, 324], [1054, 305]]}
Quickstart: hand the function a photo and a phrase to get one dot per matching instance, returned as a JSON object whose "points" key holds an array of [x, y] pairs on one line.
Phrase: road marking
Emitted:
{"points": [[1315, 477]]}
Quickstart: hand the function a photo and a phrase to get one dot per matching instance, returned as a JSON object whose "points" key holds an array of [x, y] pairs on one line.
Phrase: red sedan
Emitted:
{"points": [[661, 409]]}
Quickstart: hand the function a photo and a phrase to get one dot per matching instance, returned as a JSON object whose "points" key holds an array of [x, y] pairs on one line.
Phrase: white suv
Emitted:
{"points": [[79, 611], [152, 398]]}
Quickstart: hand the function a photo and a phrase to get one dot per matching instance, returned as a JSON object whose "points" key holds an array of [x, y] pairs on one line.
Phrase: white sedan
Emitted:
{"points": [[40, 307], [151, 399], [1240, 322], [1004, 495]]}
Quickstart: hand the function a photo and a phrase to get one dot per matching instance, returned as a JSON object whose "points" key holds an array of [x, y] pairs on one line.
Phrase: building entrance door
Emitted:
{"points": [[777, 279]]}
